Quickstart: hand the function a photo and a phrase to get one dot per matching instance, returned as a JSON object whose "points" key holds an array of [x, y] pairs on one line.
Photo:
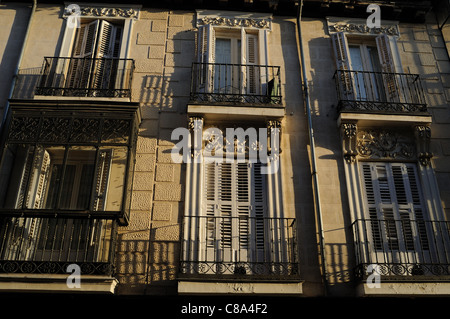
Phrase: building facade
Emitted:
{"points": [[224, 148]]}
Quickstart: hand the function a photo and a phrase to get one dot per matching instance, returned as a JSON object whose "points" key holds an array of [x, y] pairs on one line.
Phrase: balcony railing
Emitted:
{"points": [[235, 84], [49, 245], [402, 249], [242, 247], [379, 92], [85, 77]]}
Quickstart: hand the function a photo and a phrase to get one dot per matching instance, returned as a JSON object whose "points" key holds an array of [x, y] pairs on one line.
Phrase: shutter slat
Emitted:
{"points": [[342, 56], [387, 65]]}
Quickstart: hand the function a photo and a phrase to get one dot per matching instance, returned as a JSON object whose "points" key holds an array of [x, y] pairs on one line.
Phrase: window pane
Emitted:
{"points": [[14, 171], [56, 177], [110, 178], [77, 181]]}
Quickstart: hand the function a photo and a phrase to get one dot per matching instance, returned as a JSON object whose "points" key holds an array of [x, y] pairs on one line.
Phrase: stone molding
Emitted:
{"points": [[359, 27], [234, 19], [101, 11]]}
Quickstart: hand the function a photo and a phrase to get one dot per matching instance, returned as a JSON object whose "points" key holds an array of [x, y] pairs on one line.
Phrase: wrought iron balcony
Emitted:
{"points": [[239, 247], [402, 249], [49, 245], [379, 92], [85, 77], [235, 84]]}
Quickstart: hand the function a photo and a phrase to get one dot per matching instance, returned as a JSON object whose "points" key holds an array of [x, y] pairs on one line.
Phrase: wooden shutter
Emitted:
{"points": [[234, 209], [108, 50], [252, 62], [341, 53], [259, 212], [102, 173], [387, 66], [206, 42], [83, 52], [394, 206]]}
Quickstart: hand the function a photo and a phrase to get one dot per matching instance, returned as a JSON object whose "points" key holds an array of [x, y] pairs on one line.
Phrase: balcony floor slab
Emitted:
{"points": [[234, 287], [56, 283], [404, 289]]}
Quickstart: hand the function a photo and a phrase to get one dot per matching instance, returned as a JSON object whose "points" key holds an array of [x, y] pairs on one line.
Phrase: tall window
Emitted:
{"points": [[366, 67], [96, 51], [394, 205], [234, 208], [234, 62], [64, 167]]}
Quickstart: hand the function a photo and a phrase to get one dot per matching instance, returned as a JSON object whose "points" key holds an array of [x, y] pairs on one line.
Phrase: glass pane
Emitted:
{"points": [[110, 178], [14, 172], [77, 181]]}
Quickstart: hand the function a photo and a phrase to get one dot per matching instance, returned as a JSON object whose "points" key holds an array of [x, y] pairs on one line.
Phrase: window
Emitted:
{"points": [[96, 51], [234, 212], [397, 221], [367, 68], [92, 63], [63, 178], [232, 66]]}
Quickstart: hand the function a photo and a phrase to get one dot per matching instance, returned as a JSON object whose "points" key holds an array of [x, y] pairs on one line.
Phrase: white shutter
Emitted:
{"points": [[233, 211], [206, 42], [253, 81], [394, 206], [388, 67], [341, 53], [259, 213]]}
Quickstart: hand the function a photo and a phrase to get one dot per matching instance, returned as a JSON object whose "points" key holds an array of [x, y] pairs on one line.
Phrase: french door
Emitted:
{"points": [[396, 223], [234, 227]]}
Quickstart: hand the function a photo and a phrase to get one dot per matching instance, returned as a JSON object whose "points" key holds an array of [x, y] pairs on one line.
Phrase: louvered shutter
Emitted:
{"points": [[83, 52], [244, 69], [388, 67], [253, 83], [206, 41], [341, 53], [107, 54], [102, 173], [394, 206], [259, 213], [35, 176], [234, 211]]}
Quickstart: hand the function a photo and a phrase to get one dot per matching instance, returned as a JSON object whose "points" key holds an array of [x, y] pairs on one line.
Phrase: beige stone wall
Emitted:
{"points": [[14, 19], [332, 189], [423, 52], [163, 48]]}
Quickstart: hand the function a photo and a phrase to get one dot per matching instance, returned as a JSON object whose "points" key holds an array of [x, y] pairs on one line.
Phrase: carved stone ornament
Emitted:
{"points": [[363, 29], [97, 12], [235, 22], [195, 123], [349, 129], [378, 144]]}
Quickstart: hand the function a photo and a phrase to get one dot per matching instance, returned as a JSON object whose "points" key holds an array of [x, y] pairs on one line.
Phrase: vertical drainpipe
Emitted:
{"points": [[314, 174], [19, 62]]}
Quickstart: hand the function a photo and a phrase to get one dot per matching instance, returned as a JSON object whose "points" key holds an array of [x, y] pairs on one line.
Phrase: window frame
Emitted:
{"points": [[114, 130]]}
